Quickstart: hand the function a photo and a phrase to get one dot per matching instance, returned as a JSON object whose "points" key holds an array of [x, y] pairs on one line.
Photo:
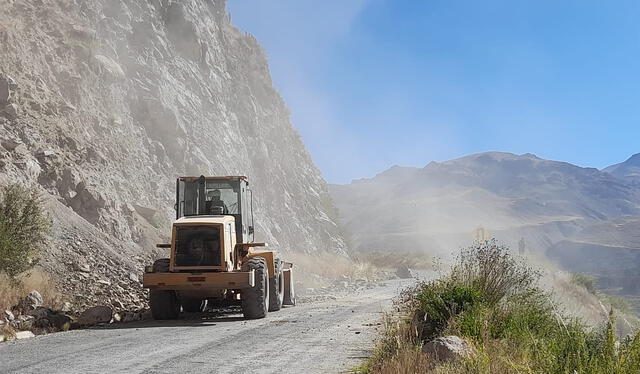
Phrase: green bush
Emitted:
{"points": [[23, 228], [584, 281], [441, 301], [494, 301]]}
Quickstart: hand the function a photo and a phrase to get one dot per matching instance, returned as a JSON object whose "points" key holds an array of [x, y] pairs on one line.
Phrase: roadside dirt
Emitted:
{"points": [[322, 336]]}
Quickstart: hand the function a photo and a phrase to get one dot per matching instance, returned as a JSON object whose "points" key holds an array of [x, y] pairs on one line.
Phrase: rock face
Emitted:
{"points": [[447, 348], [628, 170], [127, 95]]}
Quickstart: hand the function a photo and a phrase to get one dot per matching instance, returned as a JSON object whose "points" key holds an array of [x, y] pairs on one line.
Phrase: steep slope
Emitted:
{"points": [[629, 170], [107, 102]]}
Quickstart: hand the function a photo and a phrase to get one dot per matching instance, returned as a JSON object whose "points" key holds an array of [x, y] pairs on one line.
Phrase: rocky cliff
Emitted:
{"points": [[104, 103]]}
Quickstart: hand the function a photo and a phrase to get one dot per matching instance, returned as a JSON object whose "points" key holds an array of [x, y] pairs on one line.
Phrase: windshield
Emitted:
{"points": [[214, 197], [222, 194]]}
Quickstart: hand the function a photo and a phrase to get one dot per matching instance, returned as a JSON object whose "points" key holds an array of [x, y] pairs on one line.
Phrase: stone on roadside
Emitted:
{"points": [[49, 319], [24, 335], [447, 348], [8, 315], [95, 315], [404, 272], [30, 302], [23, 322]]}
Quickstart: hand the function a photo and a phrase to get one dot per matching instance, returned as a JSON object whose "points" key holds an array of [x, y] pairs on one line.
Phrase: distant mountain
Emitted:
{"points": [[551, 205], [629, 170]]}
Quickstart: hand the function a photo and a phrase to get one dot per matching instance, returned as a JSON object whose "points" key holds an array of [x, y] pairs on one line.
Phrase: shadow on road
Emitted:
{"points": [[208, 318]]}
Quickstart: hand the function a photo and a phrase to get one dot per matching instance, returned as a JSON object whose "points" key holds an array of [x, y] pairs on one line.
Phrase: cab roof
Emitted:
{"points": [[241, 177], [204, 220]]}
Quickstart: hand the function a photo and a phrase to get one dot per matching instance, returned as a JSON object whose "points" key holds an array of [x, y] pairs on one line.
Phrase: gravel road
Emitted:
{"points": [[328, 336]]}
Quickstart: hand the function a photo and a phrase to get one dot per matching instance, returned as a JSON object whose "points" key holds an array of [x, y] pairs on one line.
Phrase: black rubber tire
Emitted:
{"points": [[255, 300], [164, 304], [161, 265], [289, 292], [192, 305], [276, 291]]}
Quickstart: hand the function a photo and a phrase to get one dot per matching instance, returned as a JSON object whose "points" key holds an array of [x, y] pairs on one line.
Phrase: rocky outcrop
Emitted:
{"points": [[103, 103]]}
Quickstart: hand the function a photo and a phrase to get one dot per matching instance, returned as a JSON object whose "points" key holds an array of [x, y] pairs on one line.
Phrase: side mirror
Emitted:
{"points": [[175, 206], [251, 230]]}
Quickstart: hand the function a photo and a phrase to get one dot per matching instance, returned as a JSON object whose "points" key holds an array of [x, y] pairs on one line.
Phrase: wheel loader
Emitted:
{"points": [[213, 258]]}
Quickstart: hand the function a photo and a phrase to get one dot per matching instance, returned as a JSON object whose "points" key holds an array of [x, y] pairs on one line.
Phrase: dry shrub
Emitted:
{"points": [[407, 360], [7, 332], [14, 289]]}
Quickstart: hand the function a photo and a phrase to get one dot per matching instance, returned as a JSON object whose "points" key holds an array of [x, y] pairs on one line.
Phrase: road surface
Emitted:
{"points": [[329, 336]]}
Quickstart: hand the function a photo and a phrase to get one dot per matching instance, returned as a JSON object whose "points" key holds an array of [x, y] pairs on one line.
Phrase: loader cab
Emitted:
{"points": [[217, 196]]}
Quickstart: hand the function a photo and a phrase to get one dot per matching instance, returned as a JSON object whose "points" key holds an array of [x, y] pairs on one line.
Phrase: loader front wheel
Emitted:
{"points": [[255, 300], [164, 304], [276, 288]]}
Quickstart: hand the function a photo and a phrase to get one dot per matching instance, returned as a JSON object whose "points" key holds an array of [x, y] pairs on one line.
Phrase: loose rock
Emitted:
{"points": [[404, 272], [95, 315], [11, 111], [8, 315], [447, 348], [30, 302], [24, 335]]}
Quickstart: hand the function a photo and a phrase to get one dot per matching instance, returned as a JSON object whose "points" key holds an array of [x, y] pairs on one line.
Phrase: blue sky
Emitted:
{"points": [[375, 83]]}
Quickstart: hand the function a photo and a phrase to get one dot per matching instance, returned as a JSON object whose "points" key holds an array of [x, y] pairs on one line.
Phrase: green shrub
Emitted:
{"points": [[441, 301], [491, 269], [23, 228], [584, 281], [493, 300]]}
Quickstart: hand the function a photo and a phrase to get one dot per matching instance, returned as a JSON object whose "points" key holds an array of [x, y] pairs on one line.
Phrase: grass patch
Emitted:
{"points": [[493, 301]]}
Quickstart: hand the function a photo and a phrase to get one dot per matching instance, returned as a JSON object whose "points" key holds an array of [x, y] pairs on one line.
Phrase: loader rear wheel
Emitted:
{"points": [[164, 304], [255, 300], [276, 291], [192, 305]]}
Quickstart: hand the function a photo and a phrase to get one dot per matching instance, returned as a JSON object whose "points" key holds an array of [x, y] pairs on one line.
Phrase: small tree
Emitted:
{"points": [[23, 228]]}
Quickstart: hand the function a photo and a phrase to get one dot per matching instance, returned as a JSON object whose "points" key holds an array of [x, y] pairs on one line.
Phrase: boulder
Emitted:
{"points": [[10, 144], [11, 111], [95, 315], [448, 348], [23, 322], [8, 315], [404, 272], [4, 90], [47, 318], [82, 267], [24, 335], [30, 302]]}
